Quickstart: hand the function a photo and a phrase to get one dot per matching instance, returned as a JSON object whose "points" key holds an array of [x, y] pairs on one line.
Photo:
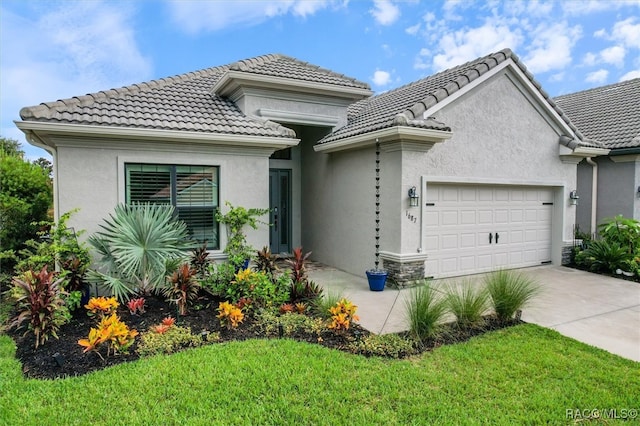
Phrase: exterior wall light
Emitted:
{"points": [[573, 197], [414, 199]]}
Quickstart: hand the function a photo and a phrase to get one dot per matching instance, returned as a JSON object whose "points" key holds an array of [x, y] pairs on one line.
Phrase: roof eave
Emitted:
{"points": [[232, 80], [426, 137], [134, 133]]}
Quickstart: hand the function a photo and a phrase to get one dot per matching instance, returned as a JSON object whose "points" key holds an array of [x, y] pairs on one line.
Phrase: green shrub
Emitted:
{"points": [[468, 303], [385, 345], [58, 247], [172, 340], [622, 231], [25, 200], [269, 323], [136, 245], [605, 256], [510, 291], [237, 249], [425, 309], [322, 304]]}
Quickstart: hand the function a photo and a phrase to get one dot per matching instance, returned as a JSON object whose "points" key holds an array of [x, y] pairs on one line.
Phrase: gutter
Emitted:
{"points": [[624, 151]]}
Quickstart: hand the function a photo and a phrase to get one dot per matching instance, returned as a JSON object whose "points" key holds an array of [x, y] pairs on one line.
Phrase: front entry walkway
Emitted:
{"points": [[598, 310]]}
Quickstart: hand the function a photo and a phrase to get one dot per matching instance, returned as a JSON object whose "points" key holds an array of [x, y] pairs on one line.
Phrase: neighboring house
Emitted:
{"points": [[607, 185], [493, 161]]}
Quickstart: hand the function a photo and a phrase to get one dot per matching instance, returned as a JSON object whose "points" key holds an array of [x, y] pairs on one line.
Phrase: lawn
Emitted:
{"points": [[524, 374]]}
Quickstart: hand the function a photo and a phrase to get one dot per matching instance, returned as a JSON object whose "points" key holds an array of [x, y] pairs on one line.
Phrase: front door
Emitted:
{"points": [[280, 205]]}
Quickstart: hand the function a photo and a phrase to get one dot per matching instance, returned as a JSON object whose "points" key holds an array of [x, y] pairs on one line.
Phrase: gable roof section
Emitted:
{"points": [[608, 114], [185, 102], [406, 105], [181, 103], [278, 65]]}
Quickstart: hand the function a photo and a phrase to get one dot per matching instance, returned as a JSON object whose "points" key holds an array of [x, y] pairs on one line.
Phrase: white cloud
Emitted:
{"points": [[613, 55], [628, 32], [198, 16], [413, 30], [598, 77], [550, 48], [467, 44], [589, 59], [385, 12], [630, 75], [67, 51], [381, 78], [557, 77], [583, 7]]}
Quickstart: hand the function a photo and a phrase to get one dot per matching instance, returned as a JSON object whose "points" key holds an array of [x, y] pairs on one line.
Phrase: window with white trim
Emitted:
{"points": [[192, 190]]}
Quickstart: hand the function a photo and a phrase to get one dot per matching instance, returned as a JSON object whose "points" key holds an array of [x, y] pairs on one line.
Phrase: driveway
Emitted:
{"points": [[598, 310]]}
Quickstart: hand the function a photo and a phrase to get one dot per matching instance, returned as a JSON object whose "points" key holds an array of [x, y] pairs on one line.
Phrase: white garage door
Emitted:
{"points": [[479, 228]]}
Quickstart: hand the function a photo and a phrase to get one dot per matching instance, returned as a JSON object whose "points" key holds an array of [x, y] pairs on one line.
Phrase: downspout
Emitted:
{"points": [[594, 192]]}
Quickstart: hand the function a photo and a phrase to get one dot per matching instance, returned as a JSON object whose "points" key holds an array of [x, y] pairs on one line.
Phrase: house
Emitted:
{"points": [[488, 159], [608, 185]]}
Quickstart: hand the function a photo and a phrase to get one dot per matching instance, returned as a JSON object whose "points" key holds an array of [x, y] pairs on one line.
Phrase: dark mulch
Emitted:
{"points": [[64, 357]]}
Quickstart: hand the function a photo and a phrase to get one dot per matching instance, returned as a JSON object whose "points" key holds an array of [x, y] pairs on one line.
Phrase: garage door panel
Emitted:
{"points": [[462, 217]]}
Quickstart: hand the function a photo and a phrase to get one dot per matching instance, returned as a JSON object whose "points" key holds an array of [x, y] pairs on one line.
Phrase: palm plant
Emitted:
{"points": [[425, 310], [509, 292], [467, 303], [136, 244]]}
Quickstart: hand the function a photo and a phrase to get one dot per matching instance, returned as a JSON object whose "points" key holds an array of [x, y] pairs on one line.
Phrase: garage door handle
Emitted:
{"points": [[497, 236], [490, 237]]}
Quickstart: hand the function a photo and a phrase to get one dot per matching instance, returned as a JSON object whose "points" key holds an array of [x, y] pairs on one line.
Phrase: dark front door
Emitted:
{"points": [[280, 205]]}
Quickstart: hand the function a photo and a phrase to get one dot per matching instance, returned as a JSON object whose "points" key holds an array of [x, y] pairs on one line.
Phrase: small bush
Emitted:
{"points": [[172, 340], [342, 315], [183, 288], [39, 301], [292, 323], [101, 307], [509, 292], [230, 315], [385, 345], [322, 304], [425, 310], [467, 303], [112, 332], [605, 256]]}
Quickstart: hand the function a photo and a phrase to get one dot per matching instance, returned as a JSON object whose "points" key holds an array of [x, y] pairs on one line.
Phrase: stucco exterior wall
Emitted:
{"points": [[499, 137], [616, 188], [93, 179], [339, 207], [584, 186]]}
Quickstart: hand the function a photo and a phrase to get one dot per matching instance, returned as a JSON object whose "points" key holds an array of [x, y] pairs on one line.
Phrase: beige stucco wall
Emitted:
{"points": [[92, 179]]}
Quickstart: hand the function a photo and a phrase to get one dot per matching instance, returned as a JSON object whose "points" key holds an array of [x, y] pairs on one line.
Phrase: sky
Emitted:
{"points": [[52, 50]]}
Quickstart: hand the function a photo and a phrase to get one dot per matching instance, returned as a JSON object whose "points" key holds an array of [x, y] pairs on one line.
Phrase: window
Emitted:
{"points": [[192, 190]]}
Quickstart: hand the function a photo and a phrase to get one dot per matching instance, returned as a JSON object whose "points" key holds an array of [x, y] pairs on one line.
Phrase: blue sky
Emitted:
{"points": [[58, 49]]}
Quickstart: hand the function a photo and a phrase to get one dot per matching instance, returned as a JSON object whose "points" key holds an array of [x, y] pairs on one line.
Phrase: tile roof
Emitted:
{"points": [[608, 114], [184, 102], [278, 65], [405, 105]]}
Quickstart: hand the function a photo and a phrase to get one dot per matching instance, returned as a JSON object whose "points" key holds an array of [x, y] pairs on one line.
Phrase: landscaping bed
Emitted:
{"points": [[64, 356]]}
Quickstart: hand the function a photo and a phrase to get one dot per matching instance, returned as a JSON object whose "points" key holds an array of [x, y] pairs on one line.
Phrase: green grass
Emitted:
{"points": [[525, 374]]}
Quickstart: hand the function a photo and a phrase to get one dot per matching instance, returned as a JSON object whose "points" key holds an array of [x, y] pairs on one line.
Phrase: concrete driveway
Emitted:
{"points": [[598, 310]]}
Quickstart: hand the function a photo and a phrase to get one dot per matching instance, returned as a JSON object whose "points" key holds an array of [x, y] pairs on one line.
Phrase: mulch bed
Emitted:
{"points": [[64, 357]]}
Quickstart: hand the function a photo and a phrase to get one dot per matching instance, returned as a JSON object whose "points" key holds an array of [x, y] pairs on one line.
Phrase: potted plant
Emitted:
{"points": [[377, 277], [237, 250]]}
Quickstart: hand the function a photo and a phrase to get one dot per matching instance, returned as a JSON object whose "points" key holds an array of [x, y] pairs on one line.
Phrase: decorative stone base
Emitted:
{"points": [[567, 253], [404, 270]]}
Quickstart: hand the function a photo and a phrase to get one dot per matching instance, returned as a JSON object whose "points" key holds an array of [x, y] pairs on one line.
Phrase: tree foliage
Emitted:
{"points": [[25, 197]]}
